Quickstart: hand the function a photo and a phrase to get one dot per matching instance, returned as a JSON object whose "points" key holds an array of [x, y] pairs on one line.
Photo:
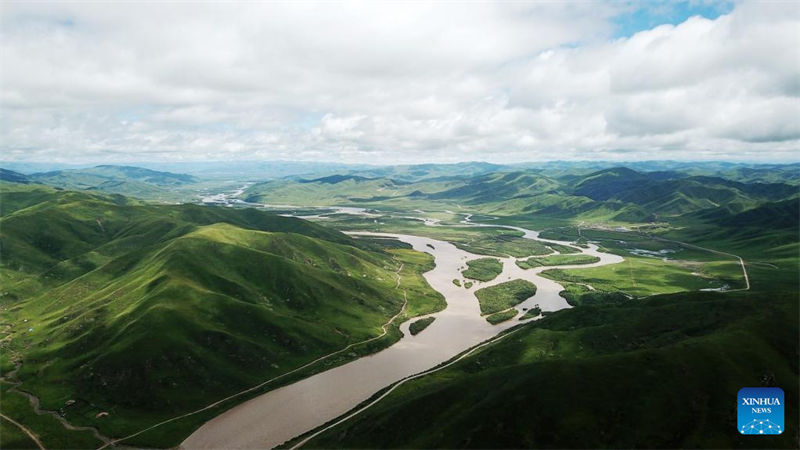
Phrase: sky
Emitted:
{"points": [[400, 82]]}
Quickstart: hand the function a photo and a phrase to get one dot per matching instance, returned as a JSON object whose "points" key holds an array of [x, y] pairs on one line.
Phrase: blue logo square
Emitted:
{"points": [[760, 411]]}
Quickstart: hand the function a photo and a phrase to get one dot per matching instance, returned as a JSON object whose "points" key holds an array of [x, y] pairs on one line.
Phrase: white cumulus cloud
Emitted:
{"points": [[394, 82]]}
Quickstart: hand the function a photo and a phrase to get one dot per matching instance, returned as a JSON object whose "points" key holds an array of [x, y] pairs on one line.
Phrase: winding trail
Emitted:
{"points": [[36, 404], [25, 429], [741, 261]]}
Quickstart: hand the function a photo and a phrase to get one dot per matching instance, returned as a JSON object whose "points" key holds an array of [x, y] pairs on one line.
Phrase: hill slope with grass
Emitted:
{"points": [[145, 312], [660, 373]]}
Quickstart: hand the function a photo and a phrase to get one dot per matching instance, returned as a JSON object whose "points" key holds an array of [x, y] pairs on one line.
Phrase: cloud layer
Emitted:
{"points": [[395, 82]]}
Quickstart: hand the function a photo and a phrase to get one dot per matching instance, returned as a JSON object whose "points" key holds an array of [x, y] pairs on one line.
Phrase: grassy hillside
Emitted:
{"points": [[673, 194], [660, 373], [613, 195], [145, 312]]}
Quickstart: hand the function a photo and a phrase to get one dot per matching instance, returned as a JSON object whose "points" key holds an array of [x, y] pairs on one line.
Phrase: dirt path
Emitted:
{"points": [[384, 330], [36, 404], [22, 427], [741, 261]]}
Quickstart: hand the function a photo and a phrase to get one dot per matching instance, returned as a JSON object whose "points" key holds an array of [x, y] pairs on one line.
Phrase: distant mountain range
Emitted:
{"points": [[126, 180], [617, 194], [268, 170]]}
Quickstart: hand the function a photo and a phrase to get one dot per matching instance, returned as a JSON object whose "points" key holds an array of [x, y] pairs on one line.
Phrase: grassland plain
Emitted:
{"points": [[146, 312], [483, 269], [502, 296], [651, 266]]}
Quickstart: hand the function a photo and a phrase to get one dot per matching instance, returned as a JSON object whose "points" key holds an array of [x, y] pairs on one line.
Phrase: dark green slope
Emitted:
{"points": [[608, 183], [778, 215], [42, 227], [674, 194], [569, 207], [659, 373], [13, 177], [237, 302]]}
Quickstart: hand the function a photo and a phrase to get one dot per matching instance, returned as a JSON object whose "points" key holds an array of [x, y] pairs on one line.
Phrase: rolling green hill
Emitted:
{"points": [[499, 186], [678, 195], [781, 215], [617, 194], [332, 190], [146, 312]]}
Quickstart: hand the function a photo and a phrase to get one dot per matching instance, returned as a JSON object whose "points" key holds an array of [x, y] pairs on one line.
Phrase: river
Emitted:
{"points": [[284, 413]]}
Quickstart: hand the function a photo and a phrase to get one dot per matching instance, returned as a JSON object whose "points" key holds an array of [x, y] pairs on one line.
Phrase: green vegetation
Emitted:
{"points": [[687, 354], [13, 437], [504, 295], [148, 312], [421, 298], [557, 260], [46, 427], [502, 245], [641, 276], [418, 325], [501, 316], [457, 282], [531, 313], [483, 269], [563, 249]]}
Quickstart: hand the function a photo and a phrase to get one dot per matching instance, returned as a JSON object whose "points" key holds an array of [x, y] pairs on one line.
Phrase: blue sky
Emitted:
{"points": [[645, 15]]}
